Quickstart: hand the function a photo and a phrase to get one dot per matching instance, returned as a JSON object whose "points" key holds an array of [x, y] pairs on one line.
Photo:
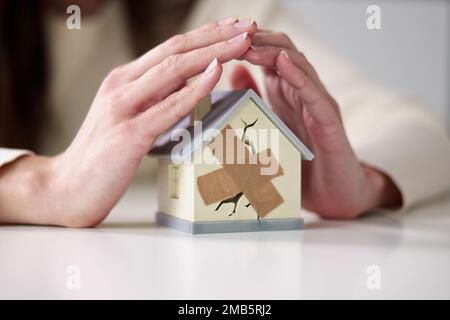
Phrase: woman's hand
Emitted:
{"points": [[135, 103], [335, 184]]}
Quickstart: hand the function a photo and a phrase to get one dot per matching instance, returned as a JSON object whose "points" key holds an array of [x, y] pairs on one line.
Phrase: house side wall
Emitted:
{"points": [[183, 207], [288, 185]]}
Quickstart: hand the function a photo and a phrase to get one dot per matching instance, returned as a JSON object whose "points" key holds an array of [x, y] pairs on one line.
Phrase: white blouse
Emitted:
{"points": [[390, 132]]}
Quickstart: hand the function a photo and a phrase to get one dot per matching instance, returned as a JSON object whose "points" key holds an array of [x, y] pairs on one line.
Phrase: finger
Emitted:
{"points": [[274, 39], [269, 72], [314, 99], [164, 115], [277, 100], [240, 79], [264, 30], [160, 81], [267, 56], [294, 121], [262, 56], [204, 36], [290, 114]]}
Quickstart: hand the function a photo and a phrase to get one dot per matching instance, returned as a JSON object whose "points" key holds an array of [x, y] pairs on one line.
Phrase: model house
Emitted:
{"points": [[231, 165]]}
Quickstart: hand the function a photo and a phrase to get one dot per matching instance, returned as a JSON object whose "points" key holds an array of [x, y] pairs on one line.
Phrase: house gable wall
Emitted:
{"points": [[288, 185]]}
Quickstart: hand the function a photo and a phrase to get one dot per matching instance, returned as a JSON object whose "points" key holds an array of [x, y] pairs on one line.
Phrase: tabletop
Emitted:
{"points": [[382, 255]]}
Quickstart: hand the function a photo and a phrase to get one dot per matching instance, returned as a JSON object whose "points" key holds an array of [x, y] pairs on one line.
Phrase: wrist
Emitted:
{"points": [[25, 188], [384, 192]]}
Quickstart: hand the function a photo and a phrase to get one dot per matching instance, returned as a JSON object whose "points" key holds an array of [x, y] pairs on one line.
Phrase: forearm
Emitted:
{"points": [[25, 191]]}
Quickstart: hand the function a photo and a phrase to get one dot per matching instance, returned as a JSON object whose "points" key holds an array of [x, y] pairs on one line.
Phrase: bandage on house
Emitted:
{"points": [[231, 165]]}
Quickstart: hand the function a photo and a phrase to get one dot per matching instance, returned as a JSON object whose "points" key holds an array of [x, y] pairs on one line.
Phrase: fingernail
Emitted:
{"points": [[211, 67], [244, 24], [228, 21], [284, 53], [241, 37]]}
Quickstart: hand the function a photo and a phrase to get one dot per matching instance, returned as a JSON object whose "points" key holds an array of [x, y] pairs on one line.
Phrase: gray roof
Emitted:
{"points": [[224, 104]]}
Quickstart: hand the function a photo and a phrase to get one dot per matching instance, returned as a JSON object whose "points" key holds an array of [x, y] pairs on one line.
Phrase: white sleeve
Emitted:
{"points": [[400, 138], [9, 155]]}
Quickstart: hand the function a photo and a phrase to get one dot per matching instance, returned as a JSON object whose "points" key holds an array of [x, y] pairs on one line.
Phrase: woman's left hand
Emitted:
{"points": [[335, 184]]}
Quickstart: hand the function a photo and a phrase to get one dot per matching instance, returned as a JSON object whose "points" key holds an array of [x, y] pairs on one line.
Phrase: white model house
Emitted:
{"points": [[201, 191]]}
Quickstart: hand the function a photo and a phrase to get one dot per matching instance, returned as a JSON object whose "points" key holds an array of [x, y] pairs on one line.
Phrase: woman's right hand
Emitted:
{"points": [[134, 105]]}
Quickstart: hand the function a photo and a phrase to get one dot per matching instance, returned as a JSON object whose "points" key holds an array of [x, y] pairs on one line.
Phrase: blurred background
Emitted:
{"points": [[414, 33]]}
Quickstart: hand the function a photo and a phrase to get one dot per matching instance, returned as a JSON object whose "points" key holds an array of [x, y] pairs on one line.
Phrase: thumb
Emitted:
{"points": [[240, 78]]}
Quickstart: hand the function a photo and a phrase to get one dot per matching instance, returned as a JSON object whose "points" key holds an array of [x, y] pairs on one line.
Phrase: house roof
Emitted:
{"points": [[223, 106]]}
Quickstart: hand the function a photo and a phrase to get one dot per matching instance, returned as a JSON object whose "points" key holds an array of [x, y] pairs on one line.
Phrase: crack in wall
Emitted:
{"points": [[235, 199]]}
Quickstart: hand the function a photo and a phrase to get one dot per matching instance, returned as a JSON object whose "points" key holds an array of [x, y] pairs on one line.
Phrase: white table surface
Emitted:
{"points": [[128, 256]]}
